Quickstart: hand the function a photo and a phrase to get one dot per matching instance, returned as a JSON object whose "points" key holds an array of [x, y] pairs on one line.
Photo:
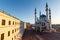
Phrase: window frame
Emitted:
{"points": [[9, 22], [2, 37], [3, 22], [8, 33]]}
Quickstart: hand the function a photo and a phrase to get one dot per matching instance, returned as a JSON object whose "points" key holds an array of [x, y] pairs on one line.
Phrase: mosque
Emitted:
{"points": [[43, 23]]}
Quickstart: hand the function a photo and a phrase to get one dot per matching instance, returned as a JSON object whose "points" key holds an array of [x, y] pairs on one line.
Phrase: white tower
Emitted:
{"points": [[50, 19], [46, 11], [35, 16], [47, 19]]}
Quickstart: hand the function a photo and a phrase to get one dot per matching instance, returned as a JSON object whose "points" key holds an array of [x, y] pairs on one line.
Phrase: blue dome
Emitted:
{"points": [[43, 16]]}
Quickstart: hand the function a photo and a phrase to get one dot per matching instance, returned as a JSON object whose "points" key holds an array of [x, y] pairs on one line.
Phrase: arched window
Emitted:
{"points": [[43, 24]]}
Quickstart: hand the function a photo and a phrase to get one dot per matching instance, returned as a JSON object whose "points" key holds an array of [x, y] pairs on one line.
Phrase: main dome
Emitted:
{"points": [[42, 16]]}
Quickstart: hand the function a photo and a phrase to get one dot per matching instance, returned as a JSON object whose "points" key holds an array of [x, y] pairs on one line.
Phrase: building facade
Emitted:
{"points": [[9, 26]]}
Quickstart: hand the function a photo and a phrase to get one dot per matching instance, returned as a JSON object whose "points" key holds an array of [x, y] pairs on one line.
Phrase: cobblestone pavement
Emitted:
{"points": [[31, 35]]}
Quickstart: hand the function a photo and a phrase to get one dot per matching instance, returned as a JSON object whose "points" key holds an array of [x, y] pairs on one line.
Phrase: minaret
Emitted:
{"points": [[46, 11], [47, 20], [37, 20], [39, 14], [50, 19], [50, 15], [35, 16]]}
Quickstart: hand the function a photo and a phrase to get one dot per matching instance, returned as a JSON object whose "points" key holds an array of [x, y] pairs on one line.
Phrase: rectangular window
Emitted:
{"points": [[2, 36], [12, 38], [9, 22], [8, 33], [15, 30], [3, 22], [12, 31], [13, 22]]}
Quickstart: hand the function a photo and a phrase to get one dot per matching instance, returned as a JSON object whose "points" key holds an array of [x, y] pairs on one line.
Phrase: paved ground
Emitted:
{"points": [[51, 36], [29, 35], [32, 35]]}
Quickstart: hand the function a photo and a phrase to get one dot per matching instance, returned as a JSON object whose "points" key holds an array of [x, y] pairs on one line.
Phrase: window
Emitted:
{"points": [[8, 33], [15, 30], [12, 38], [12, 31], [2, 36], [43, 24], [9, 22], [3, 22], [13, 22]]}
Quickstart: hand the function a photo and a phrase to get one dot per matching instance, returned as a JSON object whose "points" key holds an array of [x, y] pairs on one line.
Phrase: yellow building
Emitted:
{"points": [[9, 26]]}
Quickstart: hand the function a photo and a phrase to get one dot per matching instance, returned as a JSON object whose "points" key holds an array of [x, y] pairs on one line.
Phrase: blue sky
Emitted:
{"points": [[24, 9]]}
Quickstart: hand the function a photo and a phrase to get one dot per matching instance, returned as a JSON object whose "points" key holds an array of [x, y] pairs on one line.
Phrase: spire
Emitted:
{"points": [[46, 4], [35, 10], [46, 12], [35, 16]]}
